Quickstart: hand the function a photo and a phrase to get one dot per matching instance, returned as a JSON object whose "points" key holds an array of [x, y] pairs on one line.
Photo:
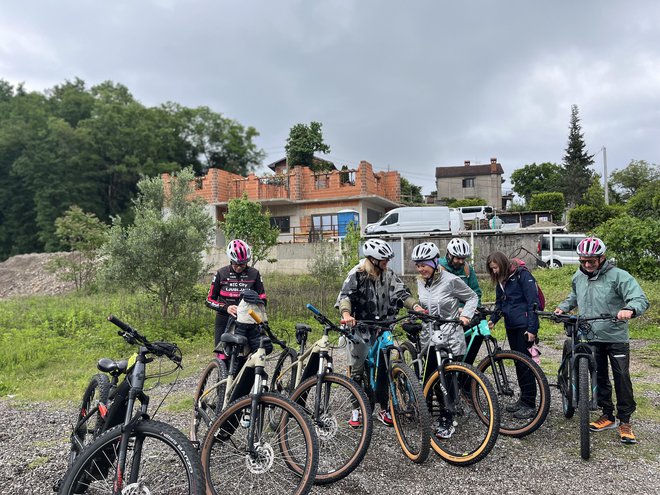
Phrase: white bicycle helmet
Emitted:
{"points": [[239, 252], [426, 251], [377, 249], [591, 246], [459, 248]]}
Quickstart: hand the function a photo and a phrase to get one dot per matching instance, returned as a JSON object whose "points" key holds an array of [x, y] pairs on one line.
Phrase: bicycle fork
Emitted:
{"points": [[590, 361], [321, 392], [255, 411]]}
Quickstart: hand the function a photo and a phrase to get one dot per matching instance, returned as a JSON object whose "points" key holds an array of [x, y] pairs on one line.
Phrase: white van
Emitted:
{"points": [[412, 219], [476, 212], [456, 221], [563, 249]]}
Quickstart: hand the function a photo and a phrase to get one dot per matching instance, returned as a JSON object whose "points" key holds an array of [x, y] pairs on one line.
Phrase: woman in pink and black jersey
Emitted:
{"points": [[229, 283]]}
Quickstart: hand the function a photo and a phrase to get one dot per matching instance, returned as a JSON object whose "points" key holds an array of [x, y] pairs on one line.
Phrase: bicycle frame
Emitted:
{"points": [[306, 364], [382, 348], [579, 349]]}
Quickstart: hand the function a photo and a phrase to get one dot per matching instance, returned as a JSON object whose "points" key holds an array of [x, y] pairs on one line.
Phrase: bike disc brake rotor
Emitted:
{"points": [[262, 461], [136, 489], [326, 427]]}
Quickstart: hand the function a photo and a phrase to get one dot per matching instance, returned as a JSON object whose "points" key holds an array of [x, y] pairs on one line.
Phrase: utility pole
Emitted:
{"points": [[605, 187]]}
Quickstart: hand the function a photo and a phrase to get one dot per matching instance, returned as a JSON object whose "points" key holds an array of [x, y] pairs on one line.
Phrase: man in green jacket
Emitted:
{"points": [[599, 287], [455, 262]]}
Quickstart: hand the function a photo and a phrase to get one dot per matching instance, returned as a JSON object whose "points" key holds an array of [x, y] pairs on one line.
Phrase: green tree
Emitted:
{"points": [[161, 252], [84, 234], [410, 193], [458, 203], [576, 172], [633, 242], [634, 177], [303, 141], [551, 201], [646, 203], [533, 178], [245, 220], [595, 195], [350, 247]]}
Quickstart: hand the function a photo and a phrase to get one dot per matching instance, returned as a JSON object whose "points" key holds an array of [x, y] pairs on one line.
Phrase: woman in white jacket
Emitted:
{"points": [[441, 293]]}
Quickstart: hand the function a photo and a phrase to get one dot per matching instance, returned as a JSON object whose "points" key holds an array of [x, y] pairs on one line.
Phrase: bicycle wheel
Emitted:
{"points": [[284, 384], [90, 421], [282, 460], [564, 380], [412, 421], [205, 412], [472, 438], [159, 459], [504, 376], [409, 355], [341, 446], [583, 406]]}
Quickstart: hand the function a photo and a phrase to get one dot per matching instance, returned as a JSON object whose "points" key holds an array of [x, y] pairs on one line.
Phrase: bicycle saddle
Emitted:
{"points": [[108, 365], [230, 338]]}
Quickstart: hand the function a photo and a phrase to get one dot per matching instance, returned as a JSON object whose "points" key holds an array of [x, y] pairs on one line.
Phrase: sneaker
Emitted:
{"points": [[525, 412], [602, 423], [385, 417], [626, 434], [444, 430], [513, 407], [355, 421]]}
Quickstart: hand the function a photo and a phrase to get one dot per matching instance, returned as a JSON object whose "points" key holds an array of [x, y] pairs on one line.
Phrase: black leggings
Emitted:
{"points": [[518, 342]]}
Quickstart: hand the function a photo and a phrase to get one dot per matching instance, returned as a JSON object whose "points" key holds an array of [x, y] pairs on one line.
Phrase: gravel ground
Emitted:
{"points": [[33, 451]]}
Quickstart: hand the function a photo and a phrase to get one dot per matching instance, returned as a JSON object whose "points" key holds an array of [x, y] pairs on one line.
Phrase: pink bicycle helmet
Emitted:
{"points": [[239, 252], [591, 246]]}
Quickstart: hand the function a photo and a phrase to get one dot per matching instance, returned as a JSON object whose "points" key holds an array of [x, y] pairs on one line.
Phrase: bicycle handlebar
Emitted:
{"points": [[133, 337], [324, 320], [264, 325], [570, 318]]}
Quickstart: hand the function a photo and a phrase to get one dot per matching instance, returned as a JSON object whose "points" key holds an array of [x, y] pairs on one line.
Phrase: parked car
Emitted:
{"points": [[476, 212], [563, 249], [412, 219]]}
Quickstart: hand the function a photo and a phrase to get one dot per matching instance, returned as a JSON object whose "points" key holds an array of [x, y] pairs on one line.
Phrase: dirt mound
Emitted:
{"points": [[27, 274]]}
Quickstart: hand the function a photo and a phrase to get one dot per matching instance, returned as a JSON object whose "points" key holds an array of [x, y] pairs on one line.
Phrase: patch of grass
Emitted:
{"points": [[38, 461]]}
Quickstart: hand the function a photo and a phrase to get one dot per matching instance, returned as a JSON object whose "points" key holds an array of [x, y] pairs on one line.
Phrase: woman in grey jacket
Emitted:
{"points": [[599, 287], [442, 294]]}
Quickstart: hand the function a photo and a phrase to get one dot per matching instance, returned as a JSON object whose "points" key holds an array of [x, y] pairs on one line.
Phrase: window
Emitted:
{"points": [[282, 223], [468, 182], [390, 219], [322, 181], [373, 216], [325, 222]]}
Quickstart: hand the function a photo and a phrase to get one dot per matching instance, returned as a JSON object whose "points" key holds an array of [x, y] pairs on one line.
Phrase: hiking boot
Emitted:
{"points": [[385, 417], [445, 429], [356, 420], [513, 407], [525, 412], [603, 423], [626, 434]]}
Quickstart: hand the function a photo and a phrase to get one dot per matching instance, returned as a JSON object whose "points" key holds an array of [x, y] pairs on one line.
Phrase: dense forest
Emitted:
{"points": [[74, 145]]}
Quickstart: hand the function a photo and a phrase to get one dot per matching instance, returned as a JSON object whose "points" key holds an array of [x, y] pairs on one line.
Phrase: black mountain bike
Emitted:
{"points": [[456, 392], [131, 453], [502, 367], [576, 378]]}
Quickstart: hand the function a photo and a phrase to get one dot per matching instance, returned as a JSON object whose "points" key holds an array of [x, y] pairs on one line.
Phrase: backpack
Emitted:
{"points": [[521, 266]]}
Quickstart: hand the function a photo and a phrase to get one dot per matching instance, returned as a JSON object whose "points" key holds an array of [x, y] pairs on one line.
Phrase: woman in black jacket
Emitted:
{"points": [[516, 296]]}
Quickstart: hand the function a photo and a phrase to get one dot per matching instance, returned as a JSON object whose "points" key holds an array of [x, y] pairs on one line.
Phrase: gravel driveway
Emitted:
{"points": [[33, 451]]}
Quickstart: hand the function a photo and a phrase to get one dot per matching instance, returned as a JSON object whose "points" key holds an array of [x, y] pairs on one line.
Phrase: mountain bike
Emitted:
{"points": [[461, 400], [243, 450], [387, 377], [307, 378], [502, 367], [133, 453], [576, 377]]}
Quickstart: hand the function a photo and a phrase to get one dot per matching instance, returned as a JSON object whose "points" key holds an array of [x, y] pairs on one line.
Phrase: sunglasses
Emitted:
{"points": [[589, 261]]}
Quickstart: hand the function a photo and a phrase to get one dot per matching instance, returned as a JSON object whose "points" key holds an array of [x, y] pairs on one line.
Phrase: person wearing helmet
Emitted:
{"points": [[443, 294], [599, 287], [371, 291], [455, 262], [229, 283]]}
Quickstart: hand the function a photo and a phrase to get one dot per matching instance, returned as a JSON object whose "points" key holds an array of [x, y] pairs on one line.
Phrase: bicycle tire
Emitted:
{"points": [[167, 460], [284, 384], [84, 433], [228, 464], [410, 414], [473, 439], [409, 355], [506, 363], [214, 372], [564, 380], [583, 406], [341, 447]]}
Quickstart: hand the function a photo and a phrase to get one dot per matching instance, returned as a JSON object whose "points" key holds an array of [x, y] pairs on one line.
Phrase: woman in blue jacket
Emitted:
{"points": [[516, 296]]}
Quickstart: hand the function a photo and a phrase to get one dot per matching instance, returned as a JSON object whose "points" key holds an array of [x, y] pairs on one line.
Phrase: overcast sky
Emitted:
{"points": [[404, 85]]}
